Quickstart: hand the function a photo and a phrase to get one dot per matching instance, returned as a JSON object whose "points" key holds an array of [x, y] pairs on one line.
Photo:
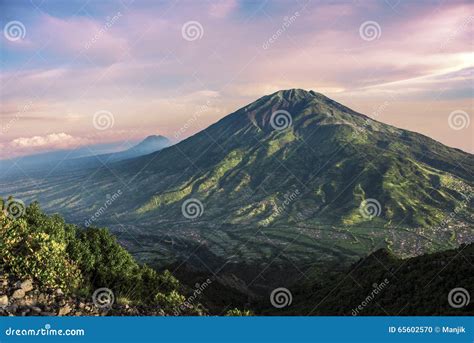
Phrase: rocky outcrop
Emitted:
{"points": [[25, 298]]}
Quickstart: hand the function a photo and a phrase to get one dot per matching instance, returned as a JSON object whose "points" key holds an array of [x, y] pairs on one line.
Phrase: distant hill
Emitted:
{"points": [[149, 145], [82, 157]]}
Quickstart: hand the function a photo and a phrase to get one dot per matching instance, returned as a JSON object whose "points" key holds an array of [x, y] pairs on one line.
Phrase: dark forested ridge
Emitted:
{"points": [[382, 284]]}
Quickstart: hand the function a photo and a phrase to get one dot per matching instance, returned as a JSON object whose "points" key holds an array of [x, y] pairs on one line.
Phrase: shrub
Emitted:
{"points": [[37, 251]]}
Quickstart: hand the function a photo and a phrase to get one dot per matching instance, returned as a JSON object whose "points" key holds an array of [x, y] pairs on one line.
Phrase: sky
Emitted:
{"points": [[75, 73]]}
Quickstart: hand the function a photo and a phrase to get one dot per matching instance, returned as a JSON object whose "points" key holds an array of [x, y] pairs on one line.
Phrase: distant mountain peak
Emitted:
{"points": [[151, 143], [154, 138]]}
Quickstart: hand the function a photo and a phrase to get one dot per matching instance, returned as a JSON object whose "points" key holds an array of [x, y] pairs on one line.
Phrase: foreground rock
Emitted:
{"points": [[24, 298]]}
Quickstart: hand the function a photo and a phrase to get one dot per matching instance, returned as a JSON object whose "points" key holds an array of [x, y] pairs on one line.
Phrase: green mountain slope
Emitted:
{"points": [[333, 185]]}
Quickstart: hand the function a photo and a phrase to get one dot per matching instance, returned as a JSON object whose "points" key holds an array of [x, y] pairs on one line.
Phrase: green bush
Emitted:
{"points": [[37, 251], [57, 254]]}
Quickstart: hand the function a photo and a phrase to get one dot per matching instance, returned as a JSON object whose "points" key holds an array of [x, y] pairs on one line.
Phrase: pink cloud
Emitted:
{"points": [[76, 36], [48, 142]]}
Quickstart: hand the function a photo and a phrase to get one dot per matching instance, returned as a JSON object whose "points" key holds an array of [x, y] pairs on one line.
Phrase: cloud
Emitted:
{"points": [[53, 141]]}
